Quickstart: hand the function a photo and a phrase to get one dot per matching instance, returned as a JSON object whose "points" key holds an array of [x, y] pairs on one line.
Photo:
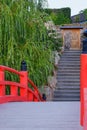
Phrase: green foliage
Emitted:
{"points": [[23, 36], [61, 19], [56, 42], [85, 13], [41, 4], [60, 16]]}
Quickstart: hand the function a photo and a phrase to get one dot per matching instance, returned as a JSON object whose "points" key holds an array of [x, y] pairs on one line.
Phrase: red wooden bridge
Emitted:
{"points": [[18, 91]]}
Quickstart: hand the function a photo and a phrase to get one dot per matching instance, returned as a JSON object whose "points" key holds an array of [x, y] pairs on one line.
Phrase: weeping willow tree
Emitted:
{"points": [[23, 36]]}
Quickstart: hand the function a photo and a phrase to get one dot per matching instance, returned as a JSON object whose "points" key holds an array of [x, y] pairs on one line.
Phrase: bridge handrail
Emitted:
{"points": [[26, 93], [17, 85], [11, 83], [35, 88], [5, 68]]}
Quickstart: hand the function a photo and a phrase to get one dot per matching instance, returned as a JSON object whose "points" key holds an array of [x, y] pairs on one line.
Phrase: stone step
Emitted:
{"points": [[65, 94], [68, 80], [59, 83], [68, 74], [68, 83], [57, 95], [75, 50], [70, 59], [70, 56], [73, 88], [60, 88], [74, 56], [68, 77], [67, 91], [66, 99], [71, 51], [68, 67], [68, 71], [69, 62]]}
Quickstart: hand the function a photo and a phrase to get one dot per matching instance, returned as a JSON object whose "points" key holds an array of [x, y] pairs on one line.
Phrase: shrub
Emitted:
{"points": [[23, 36]]}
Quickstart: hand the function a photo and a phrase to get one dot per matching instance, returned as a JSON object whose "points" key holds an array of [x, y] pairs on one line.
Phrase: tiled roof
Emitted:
{"points": [[78, 18]]}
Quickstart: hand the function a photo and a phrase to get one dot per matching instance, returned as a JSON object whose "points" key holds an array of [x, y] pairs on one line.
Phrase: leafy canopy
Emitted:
{"points": [[23, 36]]}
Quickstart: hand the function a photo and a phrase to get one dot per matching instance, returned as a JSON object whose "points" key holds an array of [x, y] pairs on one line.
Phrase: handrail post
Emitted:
{"points": [[24, 79], [83, 76], [2, 87], [85, 108]]}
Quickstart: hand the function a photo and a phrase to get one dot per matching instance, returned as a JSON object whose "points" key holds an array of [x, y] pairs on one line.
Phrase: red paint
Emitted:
{"points": [[24, 81], [83, 84], [2, 87], [26, 94], [35, 89], [85, 109]]}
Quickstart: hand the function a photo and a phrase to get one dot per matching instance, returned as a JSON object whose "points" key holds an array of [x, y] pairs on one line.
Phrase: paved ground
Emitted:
{"points": [[40, 116]]}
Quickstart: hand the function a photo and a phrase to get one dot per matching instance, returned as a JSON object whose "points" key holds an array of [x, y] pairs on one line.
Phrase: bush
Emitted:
{"points": [[60, 16], [23, 36]]}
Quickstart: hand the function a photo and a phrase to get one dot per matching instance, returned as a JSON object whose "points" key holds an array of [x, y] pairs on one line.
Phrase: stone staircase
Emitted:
{"points": [[68, 85]]}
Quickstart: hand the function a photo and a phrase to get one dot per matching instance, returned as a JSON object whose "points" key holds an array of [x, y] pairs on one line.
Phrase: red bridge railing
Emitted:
{"points": [[19, 91], [85, 109], [83, 91]]}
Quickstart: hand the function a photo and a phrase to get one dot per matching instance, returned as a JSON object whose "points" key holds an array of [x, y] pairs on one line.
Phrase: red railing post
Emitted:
{"points": [[2, 87], [85, 109], [83, 83], [14, 90], [24, 79]]}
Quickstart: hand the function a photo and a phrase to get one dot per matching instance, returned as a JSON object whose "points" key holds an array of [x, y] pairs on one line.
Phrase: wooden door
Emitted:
{"points": [[75, 40]]}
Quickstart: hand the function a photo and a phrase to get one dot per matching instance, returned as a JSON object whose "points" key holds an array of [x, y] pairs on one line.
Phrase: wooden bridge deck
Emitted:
{"points": [[40, 116]]}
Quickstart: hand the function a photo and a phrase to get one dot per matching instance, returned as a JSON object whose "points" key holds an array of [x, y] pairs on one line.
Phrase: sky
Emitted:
{"points": [[75, 5]]}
